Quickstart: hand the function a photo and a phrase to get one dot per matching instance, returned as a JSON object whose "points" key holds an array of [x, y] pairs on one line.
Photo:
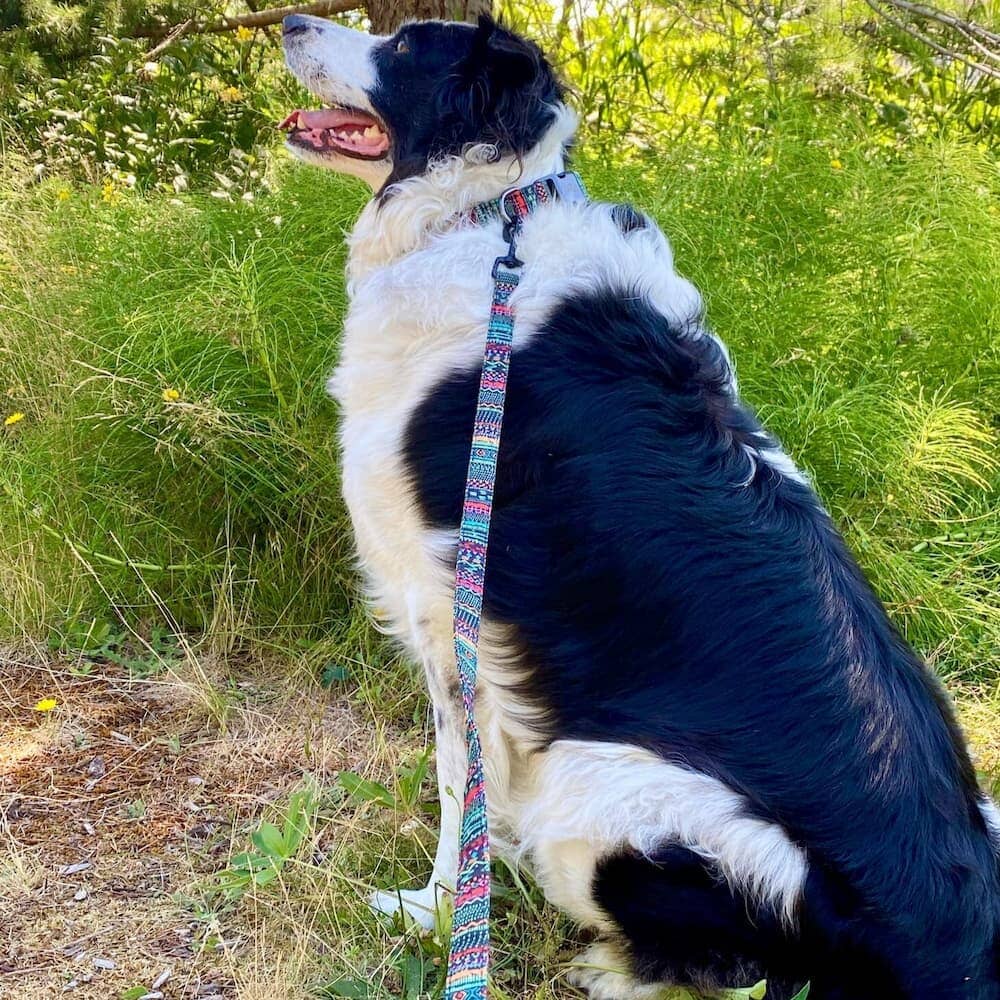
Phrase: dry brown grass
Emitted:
{"points": [[157, 783], [135, 780]]}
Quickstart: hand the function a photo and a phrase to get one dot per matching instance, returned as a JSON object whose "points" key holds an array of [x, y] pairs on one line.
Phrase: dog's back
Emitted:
{"points": [[675, 585]]}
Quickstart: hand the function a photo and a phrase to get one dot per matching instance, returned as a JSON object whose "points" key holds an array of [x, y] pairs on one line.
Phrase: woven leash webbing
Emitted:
{"points": [[469, 957]]}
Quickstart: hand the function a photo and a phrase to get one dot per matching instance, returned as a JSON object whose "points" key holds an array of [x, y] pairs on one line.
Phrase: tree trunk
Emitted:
{"points": [[387, 15]]}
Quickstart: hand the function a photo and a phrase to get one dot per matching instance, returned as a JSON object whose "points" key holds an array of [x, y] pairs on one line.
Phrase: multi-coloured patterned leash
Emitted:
{"points": [[469, 958]]}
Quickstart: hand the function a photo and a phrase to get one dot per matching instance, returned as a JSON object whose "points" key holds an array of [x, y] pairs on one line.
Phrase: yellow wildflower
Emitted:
{"points": [[46, 705], [243, 34], [170, 395], [63, 194], [836, 164], [230, 94], [109, 192], [14, 418]]}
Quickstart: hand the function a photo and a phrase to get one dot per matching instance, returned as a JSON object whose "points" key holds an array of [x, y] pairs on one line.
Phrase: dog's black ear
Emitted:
{"points": [[499, 92], [505, 59]]}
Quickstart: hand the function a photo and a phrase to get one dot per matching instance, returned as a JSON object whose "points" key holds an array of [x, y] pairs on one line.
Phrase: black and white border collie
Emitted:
{"points": [[702, 734]]}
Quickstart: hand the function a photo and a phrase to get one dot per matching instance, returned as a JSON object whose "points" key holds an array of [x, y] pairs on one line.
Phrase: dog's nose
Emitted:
{"points": [[294, 24]]}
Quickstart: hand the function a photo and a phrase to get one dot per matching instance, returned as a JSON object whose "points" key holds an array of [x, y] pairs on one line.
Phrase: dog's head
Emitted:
{"points": [[393, 105]]}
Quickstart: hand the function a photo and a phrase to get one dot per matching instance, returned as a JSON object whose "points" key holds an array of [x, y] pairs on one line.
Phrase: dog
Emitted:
{"points": [[702, 734]]}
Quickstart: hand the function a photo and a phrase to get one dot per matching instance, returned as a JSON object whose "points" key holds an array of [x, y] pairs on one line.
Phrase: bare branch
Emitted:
{"points": [[911, 29], [258, 19], [942, 17]]}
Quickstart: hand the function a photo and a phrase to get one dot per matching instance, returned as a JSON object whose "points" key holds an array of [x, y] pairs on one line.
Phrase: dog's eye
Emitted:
{"points": [[401, 47]]}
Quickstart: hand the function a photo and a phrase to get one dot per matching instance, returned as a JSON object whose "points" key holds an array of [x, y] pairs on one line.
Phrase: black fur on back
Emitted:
{"points": [[457, 85], [672, 591]]}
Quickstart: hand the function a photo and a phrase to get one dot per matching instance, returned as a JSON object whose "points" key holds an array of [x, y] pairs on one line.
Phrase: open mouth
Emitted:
{"points": [[347, 131]]}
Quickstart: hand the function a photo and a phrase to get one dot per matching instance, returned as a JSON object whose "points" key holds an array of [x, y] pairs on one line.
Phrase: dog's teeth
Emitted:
{"points": [[371, 131]]}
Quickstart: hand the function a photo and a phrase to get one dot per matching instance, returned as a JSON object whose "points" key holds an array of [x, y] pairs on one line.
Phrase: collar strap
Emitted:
{"points": [[518, 202]]}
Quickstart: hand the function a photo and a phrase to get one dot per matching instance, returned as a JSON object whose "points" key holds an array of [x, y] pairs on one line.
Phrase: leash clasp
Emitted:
{"points": [[511, 227], [510, 216]]}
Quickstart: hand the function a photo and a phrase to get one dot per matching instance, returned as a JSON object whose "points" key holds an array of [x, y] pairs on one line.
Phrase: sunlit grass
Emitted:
{"points": [[177, 461]]}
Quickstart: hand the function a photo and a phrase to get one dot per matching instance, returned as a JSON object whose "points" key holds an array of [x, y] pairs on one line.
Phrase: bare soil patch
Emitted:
{"points": [[119, 803]]}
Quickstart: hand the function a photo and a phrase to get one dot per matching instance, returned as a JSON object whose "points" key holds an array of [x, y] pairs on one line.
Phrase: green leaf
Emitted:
{"points": [[355, 989], [265, 876], [803, 993], [269, 840], [296, 824], [334, 673], [133, 993], [365, 790], [411, 969], [247, 862], [758, 991]]}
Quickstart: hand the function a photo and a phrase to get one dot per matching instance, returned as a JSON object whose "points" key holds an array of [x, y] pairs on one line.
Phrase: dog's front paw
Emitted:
{"points": [[417, 905], [600, 973]]}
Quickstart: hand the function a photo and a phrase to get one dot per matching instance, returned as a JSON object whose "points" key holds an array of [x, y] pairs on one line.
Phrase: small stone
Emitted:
{"points": [[195, 780], [105, 964], [88, 828], [161, 979], [80, 895], [96, 768], [74, 869]]}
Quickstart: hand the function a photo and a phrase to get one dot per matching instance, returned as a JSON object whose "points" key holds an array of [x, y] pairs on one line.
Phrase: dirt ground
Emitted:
{"points": [[119, 804]]}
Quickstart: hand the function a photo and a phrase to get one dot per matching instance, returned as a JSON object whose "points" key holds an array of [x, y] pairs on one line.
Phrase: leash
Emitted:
{"points": [[469, 955]]}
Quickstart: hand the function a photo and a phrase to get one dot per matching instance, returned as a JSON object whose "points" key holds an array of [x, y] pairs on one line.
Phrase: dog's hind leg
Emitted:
{"points": [[684, 926]]}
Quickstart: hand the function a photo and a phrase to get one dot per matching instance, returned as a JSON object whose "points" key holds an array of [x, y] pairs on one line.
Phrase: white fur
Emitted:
{"points": [[991, 814], [645, 801], [601, 972], [420, 288]]}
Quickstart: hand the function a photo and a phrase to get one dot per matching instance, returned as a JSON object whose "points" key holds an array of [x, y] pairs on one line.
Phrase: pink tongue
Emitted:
{"points": [[333, 118]]}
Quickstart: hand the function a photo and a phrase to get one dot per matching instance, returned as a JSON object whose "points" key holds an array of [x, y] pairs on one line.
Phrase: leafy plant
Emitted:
{"points": [[96, 642], [275, 847], [409, 785]]}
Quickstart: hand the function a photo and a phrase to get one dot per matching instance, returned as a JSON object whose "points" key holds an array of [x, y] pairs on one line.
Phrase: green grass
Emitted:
{"points": [[859, 299], [860, 305]]}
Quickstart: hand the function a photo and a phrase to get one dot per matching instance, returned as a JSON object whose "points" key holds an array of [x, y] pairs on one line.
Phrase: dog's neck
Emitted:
{"points": [[422, 207]]}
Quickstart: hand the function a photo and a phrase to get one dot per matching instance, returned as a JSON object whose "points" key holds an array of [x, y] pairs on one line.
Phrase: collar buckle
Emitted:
{"points": [[567, 187]]}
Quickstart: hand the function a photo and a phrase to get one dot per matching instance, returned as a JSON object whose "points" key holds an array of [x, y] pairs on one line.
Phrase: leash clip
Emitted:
{"points": [[510, 217], [511, 227]]}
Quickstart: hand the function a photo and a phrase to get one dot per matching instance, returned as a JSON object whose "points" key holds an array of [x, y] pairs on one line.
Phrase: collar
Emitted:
{"points": [[518, 202]]}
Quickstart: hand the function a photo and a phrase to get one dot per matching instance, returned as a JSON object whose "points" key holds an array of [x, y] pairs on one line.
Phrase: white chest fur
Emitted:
{"points": [[422, 316]]}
